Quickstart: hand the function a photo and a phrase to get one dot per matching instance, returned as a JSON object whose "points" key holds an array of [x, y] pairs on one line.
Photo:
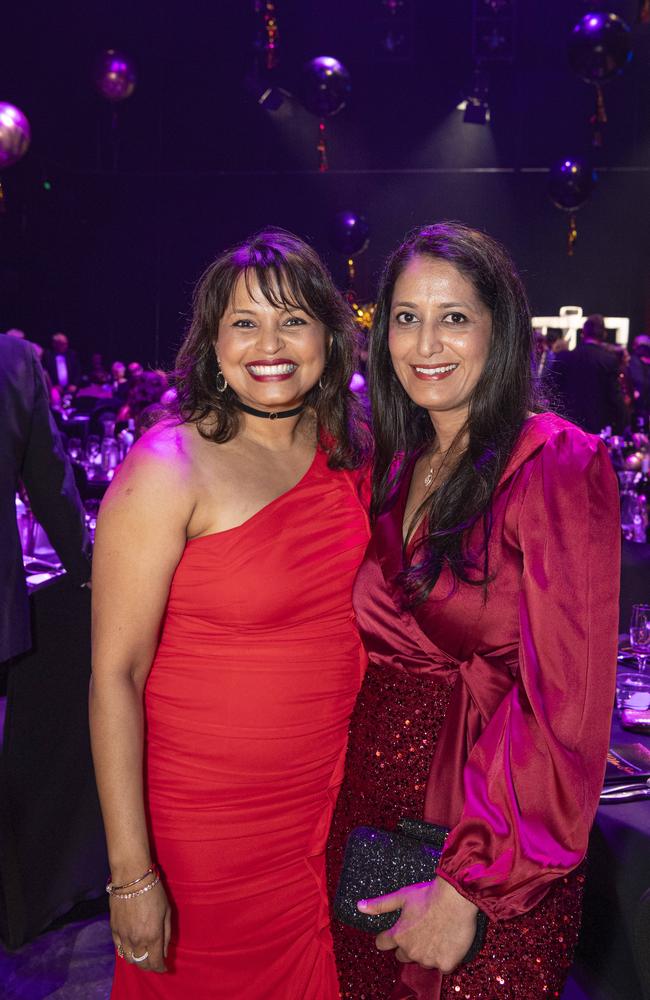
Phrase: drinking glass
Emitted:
{"points": [[74, 449], [640, 633], [93, 456]]}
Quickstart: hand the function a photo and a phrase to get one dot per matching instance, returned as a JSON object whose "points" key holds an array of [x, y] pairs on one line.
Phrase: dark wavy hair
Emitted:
{"points": [[290, 275], [500, 402]]}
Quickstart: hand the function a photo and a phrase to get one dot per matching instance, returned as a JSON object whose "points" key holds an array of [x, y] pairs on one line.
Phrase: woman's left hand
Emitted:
{"points": [[436, 926]]}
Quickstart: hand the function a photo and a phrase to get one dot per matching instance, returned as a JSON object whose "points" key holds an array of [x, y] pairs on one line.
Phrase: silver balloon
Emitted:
{"points": [[15, 135], [115, 77]]}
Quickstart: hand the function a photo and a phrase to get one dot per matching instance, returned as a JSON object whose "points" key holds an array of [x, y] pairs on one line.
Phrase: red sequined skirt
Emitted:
{"points": [[393, 733]]}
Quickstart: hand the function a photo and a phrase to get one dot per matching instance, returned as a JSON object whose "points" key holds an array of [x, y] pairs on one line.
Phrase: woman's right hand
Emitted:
{"points": [[142, 924]]}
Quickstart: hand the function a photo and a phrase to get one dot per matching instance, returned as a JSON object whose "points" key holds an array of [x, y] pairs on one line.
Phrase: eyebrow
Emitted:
{"points": [[249, 312], [441, 305]]}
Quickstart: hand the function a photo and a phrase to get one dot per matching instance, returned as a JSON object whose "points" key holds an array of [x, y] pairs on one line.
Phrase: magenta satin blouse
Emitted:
{"points": [[519, 765]]}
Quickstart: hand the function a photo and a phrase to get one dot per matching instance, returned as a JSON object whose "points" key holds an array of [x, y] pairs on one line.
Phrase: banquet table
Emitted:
{"points": [[615, 940]]}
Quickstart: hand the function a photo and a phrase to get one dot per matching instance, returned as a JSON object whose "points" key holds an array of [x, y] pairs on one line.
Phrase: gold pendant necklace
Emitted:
{"points": [[428, 479]]}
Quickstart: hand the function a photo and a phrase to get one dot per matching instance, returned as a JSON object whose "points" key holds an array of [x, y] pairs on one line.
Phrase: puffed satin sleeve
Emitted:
{"points": [[533, 778]]}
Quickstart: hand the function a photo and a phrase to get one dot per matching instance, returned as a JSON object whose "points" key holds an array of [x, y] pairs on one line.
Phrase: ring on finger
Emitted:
{"points": [[120, 951], [140, 958]]}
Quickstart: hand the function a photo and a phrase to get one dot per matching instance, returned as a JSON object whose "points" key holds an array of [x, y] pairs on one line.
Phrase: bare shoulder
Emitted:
{"points": [[158, 468]]}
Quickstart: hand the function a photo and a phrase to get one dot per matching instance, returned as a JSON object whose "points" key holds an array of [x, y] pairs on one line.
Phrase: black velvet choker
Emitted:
{"points": [[270, 414]]}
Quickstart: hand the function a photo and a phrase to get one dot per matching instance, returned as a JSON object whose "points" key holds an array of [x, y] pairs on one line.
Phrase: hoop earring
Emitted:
{"points": [[220, 388]]}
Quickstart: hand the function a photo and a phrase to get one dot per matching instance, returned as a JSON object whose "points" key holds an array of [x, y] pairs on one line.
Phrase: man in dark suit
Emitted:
{"points": [[62, 365], [31, 451], [585, 383]]}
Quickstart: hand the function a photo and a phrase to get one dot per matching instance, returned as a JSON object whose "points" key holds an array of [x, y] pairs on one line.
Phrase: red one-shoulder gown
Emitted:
{"points": [[247, 708]]}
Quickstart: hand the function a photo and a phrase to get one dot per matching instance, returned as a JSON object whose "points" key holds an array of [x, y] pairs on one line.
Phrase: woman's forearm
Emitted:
{"points": [[116, 728]]}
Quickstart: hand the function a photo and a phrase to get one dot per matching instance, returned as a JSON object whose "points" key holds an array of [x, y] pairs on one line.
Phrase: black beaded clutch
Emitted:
{"points": [[377, 862]]}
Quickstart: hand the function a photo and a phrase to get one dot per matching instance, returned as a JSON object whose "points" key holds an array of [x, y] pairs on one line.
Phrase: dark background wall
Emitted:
{"points": [[134, 212]]}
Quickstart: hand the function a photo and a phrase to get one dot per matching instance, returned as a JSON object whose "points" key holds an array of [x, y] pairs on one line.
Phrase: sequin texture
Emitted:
{"points": [[393, 733]]}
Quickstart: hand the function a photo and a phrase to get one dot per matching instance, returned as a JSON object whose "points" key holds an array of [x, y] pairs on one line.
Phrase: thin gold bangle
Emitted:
{"points": [[127, 885]]}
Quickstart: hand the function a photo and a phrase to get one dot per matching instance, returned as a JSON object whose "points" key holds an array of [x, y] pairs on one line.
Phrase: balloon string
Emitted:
{"points": [[599, 117], [322, 149], [573, 234], [351, 273]]}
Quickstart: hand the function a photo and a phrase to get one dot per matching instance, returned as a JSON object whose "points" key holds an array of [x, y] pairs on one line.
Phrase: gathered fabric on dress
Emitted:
{"points": [[491, 717], [247, 708]]}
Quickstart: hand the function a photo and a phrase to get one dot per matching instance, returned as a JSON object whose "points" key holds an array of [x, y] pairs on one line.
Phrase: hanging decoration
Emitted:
{"points": [[570, 184], [266, 9], [115, 76], [325, 88], [15, 136], [599, 49], [350, 235]]}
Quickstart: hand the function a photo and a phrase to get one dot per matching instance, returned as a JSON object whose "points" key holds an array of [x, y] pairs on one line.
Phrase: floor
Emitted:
{"points": [[74, 961]]}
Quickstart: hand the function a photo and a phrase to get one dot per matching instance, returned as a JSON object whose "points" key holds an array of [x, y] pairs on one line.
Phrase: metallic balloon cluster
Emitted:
{"points": [[599, 49]]}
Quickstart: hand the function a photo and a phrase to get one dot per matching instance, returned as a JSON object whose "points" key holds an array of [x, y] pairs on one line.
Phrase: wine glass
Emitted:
{"points": [[640, 633]]}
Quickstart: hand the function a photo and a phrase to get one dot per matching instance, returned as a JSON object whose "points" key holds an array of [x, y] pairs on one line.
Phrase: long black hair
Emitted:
{"points": [[290, 275], [500, 402]]}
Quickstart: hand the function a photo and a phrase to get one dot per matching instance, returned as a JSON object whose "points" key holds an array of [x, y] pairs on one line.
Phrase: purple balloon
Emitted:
{"points": [[15, 135], [599, 46], [325, 86], [570, 183], [350, 233], [115, 77]]}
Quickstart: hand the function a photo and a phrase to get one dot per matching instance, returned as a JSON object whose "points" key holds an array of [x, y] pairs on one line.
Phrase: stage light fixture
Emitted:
{"points": [[475, 107], [265, 93]]}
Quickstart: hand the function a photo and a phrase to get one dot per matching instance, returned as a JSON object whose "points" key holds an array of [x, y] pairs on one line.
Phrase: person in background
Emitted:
{"points": [[14, 332], [639, 374], [97, 373], [62, 365], [134, 368], [31, 452], [586, 383], [144, 390], [119, 381]]}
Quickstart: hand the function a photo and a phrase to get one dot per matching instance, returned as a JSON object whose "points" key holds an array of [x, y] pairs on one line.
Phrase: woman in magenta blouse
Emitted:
{"points": [[488, 604]]}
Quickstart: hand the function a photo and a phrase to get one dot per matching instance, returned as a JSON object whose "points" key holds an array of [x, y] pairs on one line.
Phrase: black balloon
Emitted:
{"points": [[325, 86], [600, 46], [570, 183], [350, 233]]}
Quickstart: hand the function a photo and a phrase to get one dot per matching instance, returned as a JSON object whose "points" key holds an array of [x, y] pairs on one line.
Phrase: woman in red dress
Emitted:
{"points": [[488, 604], [226, 658]]}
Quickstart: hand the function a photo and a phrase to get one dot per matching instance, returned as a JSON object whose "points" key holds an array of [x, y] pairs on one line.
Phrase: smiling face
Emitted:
{"points": [[270, 356], [438, 336]]}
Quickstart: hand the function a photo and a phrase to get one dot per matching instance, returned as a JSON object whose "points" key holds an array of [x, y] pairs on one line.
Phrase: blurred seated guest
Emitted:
{"points": [[119, 381], [585, 382], [554, 343], [639, 373], [31, 451], [134, 369], [62, 365], [18, 334], [145, 389], [150, 416], [97, 373]]}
